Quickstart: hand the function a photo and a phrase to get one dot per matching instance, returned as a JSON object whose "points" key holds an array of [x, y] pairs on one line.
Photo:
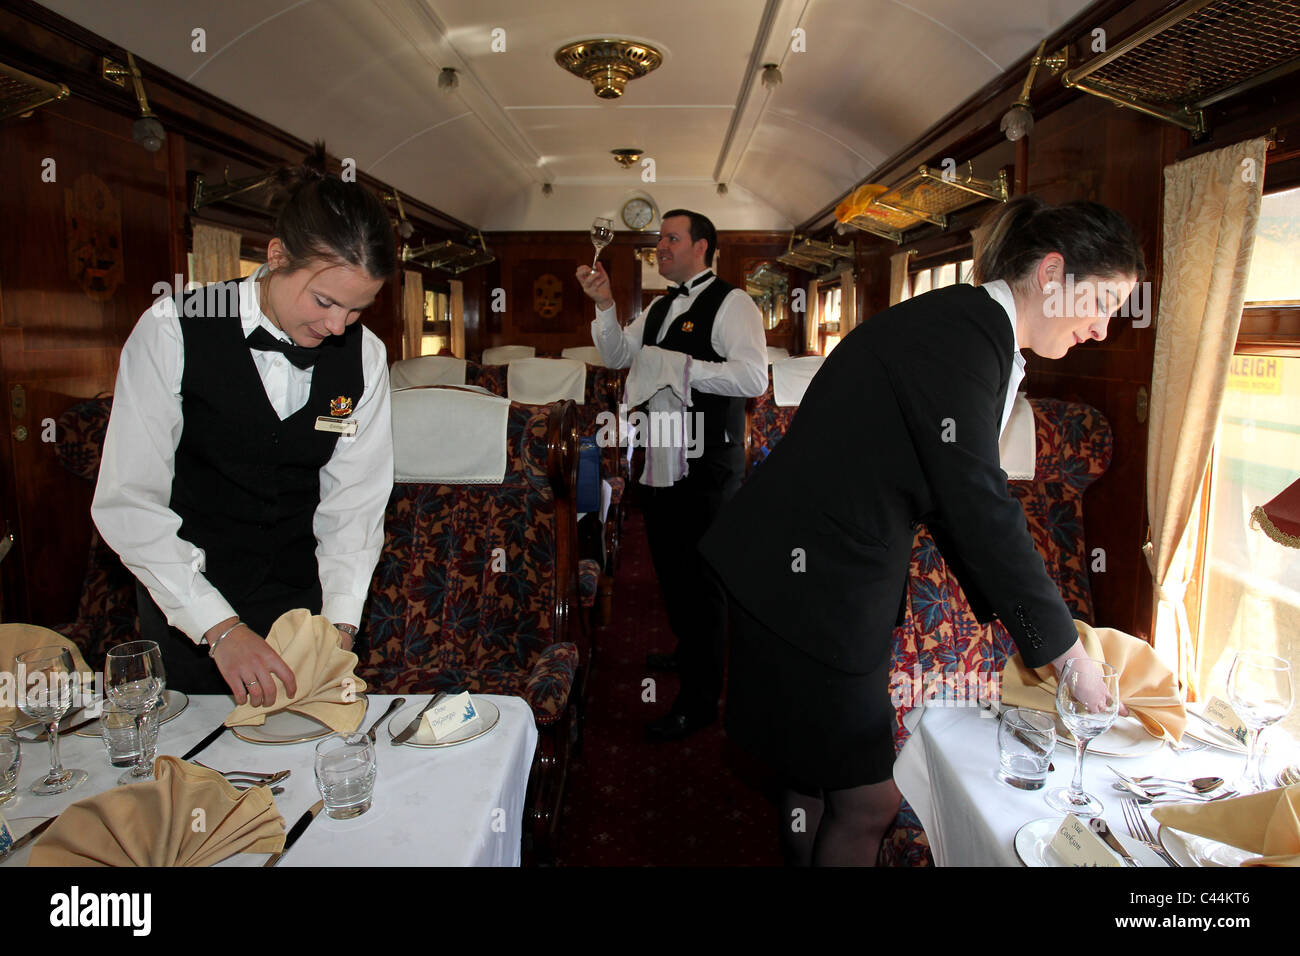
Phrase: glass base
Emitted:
{"points": [[348, 812], [132, 777], [59, 783], [1083, 804]]}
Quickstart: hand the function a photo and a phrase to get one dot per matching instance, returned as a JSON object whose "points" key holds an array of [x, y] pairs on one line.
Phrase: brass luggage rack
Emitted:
{"points": [[813, 256], [927, 196], [453, 257], [21, 93], [1200, 53]]}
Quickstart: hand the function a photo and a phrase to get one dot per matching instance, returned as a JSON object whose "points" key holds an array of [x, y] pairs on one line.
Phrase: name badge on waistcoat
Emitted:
{"points": [[340, 408]]}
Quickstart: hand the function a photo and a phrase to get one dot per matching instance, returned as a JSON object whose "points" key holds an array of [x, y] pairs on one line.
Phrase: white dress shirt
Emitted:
{"points": [[131, 505], [737, 336], [1000, 293]]}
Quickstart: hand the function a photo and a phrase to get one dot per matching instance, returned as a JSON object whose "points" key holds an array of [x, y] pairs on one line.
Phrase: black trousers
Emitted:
{"points": [[675, 520], [188, 665]]}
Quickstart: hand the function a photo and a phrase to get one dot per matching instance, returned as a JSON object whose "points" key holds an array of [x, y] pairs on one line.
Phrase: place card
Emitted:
{"points": [[1220, 713], [452, 715], [1078, 846]]}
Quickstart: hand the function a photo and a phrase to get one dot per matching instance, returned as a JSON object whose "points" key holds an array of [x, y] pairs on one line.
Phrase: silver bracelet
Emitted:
{"points": [[212, 645], [349, 629]]}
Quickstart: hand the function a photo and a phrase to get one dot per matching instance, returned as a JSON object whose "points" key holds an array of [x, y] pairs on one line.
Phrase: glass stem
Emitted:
{"points": [[140, 768], [1253, 769], [595, 257], [56, 764], [1076, 785]]}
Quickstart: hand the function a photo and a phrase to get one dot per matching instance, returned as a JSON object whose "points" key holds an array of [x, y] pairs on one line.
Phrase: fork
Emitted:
{"points": [[275, 791], [1138, 830]]}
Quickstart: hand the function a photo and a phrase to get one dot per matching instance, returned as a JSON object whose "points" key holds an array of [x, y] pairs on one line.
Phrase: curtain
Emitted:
{"points": [[216, 254], [1211, 212], [412, 312], [898, 264], [812, 321], [848, 303]]}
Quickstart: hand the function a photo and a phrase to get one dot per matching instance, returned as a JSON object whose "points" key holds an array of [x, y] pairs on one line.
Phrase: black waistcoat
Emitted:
{"points": [[246, 484], [692, 333]]}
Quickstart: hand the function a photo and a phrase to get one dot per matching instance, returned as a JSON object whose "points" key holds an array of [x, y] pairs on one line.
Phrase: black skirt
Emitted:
{"points": [[822, 728]]}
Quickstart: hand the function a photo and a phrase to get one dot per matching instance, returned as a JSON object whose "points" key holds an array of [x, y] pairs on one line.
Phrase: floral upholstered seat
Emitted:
{"points": [[940, 633], [766, 425], [491, 377], [106, 611]]}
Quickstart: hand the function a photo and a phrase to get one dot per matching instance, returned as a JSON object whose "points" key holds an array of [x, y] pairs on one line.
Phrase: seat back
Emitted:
{"points": [[505, 354], [540, 381], [427, 370], [476, 581], [106, 610]]}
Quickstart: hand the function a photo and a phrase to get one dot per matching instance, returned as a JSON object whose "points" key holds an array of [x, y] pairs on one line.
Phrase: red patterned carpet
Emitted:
{"points": [[630, 802]]}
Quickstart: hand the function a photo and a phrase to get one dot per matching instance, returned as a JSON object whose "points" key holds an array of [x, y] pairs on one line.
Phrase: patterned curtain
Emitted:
{"points": [[412, 312], [898, 264], [1211, 212], [216, 254]]}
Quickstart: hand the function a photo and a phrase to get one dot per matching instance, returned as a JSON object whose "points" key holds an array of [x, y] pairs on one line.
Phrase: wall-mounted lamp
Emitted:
{"points": [[146, 131], [1018, 121]]}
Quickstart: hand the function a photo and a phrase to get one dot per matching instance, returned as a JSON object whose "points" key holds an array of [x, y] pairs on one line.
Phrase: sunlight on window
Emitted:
{"points": [[1273, 263]]}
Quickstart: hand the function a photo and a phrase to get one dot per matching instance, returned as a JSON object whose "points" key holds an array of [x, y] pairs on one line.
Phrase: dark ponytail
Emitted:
{"points": [[1093, 240], [328, 219]]}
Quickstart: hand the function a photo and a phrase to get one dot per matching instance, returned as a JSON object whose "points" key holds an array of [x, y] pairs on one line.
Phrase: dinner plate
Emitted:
{"points": [[288, 727], [1191, 850], [1198, 729], [488, 713], [174, 703], [20, 827], [1126, 738], [1034, 845]]}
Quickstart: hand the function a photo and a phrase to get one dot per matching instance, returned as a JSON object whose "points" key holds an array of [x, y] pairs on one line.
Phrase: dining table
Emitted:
{"points": [[456, 805], [948, 773]]}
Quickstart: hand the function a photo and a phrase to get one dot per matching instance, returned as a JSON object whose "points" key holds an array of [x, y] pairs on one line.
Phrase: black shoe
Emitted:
{"points": [[677, 726], [659, 661]]}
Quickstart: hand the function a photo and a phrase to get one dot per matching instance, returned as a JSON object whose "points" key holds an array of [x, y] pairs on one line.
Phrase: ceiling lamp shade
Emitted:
{"points": [[608, 64], [1280, 518]]}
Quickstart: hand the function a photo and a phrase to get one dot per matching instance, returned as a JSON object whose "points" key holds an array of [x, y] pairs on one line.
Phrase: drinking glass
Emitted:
{"points": [[121, 742], [345, 774], [1259, 689], [135, 680], [11, 761], [1087, 698], [1026, 739], [46, 687], [602, 234]]}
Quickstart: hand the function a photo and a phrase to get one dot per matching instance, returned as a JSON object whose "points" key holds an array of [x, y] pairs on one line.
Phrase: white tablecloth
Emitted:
{"points": [[455, 806], [948, 770]]}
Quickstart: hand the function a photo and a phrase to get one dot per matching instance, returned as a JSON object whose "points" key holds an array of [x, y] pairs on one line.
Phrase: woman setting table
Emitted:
{"points": [[249, 454], [900, 425]]}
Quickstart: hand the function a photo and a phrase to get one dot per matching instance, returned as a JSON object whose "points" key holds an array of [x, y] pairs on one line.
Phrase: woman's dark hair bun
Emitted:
{"points": [[325, 218]]}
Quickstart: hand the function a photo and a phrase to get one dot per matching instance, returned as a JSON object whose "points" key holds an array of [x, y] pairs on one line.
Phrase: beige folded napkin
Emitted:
{"points": [[328, 688], [1266, 823], [186, 816], [18, 639], [1146, 685]]}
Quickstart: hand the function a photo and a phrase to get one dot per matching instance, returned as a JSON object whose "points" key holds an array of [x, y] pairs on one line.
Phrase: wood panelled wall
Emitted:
{"points": [[525, 261]]}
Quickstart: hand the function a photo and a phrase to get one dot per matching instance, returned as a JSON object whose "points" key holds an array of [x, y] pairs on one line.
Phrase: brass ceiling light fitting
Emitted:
{"points": [[626, 157], [608, 64], [146, 131], [448, 81], [404, 227]]}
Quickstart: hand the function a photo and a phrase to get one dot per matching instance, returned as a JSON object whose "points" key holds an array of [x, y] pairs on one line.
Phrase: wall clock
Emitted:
{"points": [[637, 213]]}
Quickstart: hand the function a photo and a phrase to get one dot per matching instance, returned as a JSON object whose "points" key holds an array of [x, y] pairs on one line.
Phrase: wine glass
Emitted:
{"points": [[1087, 698], [1259, 689], [602, 234], [134, 674], [46, 686]]}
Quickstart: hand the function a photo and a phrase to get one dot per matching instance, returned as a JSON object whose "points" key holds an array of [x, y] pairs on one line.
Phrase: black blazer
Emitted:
{"points": [[900, 425]]}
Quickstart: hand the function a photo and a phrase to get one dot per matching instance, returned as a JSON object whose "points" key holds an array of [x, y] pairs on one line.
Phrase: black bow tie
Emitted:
{"points": [[300, 356], [686, 287]]}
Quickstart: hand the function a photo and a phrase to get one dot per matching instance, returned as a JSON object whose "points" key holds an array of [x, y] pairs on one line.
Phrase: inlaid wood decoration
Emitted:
{"points": [[544, 297], [548, 296], [94, 223]]}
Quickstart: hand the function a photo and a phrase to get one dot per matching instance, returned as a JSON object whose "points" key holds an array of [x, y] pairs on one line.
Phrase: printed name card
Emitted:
{"points": [[1221, 714], [452, 715], [1078, 846]]}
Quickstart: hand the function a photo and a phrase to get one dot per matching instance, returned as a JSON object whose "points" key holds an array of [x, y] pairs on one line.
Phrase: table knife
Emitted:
{"points": [[28, 837], [1099, 826], [297, 830], [198, 748], [414, 725]]}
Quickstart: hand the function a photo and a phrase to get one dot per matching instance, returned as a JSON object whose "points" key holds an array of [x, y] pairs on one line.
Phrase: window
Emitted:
{"points": [[932, 276], [1249, 585], [436, 334]]}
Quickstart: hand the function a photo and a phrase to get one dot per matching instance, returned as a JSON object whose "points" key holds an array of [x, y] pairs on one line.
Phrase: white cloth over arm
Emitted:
{"points": [[662, 378]]}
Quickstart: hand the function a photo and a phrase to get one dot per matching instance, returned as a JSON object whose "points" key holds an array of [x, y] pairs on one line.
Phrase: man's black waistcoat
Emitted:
{"points": [[246, 484], [692, 333]]}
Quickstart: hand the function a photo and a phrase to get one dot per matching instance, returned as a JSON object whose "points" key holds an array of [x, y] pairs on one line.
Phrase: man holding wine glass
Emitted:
{"points": [[720, 330]]}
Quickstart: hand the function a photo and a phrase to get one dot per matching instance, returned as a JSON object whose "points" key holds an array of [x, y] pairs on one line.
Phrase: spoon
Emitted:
{"points": [[1159, 796], [374, 728], [1199, 784]]}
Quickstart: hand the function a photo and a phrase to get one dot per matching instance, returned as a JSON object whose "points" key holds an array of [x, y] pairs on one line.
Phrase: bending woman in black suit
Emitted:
{"points": [[899, 426]]}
